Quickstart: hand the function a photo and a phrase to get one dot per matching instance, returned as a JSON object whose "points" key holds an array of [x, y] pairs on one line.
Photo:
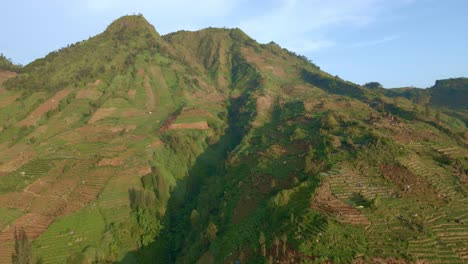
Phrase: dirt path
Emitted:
{"points": [[49, 105]]}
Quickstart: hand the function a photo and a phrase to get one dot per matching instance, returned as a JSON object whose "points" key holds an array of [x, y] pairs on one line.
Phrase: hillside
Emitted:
{"points": [[7, 65], [208, 147]]}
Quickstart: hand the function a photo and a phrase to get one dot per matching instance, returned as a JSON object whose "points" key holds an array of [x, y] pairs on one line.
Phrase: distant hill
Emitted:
{"points": [[209, 147], [449, 93]]}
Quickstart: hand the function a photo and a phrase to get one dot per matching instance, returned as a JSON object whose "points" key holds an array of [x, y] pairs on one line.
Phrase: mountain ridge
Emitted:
{"points": [[208, 147]]}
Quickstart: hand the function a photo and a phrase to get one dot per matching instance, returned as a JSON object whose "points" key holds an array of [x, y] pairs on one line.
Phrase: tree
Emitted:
{"points": [[437, 116], [277, 243], [261, 241], [427, 111], [23, 249], [211, 231], [195, 218], [284, 238], [373, 85]]}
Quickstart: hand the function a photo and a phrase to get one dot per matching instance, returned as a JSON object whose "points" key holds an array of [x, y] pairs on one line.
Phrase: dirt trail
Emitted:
{"points": [[49, 105]]}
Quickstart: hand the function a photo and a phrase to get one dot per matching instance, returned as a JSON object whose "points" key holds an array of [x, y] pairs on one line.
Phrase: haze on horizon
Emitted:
{"points": [[398, 43]]}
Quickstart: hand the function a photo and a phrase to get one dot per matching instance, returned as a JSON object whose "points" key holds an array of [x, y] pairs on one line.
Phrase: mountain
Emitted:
{"points": [[208, 147], [449, 93]]}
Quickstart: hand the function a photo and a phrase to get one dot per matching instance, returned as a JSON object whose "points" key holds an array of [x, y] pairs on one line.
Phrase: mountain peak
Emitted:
{"points": [[132, 24]]}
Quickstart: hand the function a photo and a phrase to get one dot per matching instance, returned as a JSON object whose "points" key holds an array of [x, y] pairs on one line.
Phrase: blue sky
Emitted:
{"points": [[395, 42]]}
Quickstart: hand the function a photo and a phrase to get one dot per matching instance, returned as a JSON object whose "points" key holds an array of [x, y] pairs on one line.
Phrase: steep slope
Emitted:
{"points": [[207, 147]]}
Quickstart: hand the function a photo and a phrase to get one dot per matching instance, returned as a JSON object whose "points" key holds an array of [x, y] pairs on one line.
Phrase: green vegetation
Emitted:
{"points": [[296, 165], [7, 65]]}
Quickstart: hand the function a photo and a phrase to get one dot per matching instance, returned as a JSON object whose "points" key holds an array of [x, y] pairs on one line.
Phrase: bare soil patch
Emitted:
{"points": [[111, 161], [202, 125], [49, 105], [131, 94], [14, 164], [34, 224], [18, 200], [325, 202], [5, 75], [5, 102], [101, 113], [264, 104], [407, 182], [88, 94]]}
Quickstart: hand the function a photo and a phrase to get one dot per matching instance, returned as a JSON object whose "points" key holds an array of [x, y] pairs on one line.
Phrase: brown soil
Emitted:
{"points": [[131, 94], [144, 171], [264, 104], [88, 94], [51, 104], [260, 60], [407, 182], [101, 113], [168, 122], [5, 102], [21, 200], [63, 191], [5, 75], [202, 125], [111, 162], [132, 112], [14, 164], [325, 202], [34, 224]]}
